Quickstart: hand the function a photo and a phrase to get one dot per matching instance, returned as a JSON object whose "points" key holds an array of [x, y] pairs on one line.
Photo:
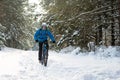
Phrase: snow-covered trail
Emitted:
{"points": [[23, 65]]}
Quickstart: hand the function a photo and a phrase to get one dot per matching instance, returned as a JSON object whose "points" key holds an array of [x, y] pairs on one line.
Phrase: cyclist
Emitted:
{"points": [[41, 36]]}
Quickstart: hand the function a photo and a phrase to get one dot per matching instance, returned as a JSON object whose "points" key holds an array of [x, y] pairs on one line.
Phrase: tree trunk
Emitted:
{"points": [[119, 20], [112, 26], [96, 38], [100, 34]]}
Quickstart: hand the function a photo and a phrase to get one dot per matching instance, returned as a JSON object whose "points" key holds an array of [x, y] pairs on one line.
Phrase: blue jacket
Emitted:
{"points": [[42, 35]]}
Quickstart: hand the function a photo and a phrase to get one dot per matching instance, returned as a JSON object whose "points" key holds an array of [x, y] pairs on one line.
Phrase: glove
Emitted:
{"points": [[53, 41], [36, 40]]}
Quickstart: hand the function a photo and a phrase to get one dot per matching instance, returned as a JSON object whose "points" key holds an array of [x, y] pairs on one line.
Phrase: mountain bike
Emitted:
{"points": [[44, 54]]}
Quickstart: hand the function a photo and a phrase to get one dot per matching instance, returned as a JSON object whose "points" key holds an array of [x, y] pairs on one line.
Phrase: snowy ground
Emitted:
{"points": [[23, 65]]}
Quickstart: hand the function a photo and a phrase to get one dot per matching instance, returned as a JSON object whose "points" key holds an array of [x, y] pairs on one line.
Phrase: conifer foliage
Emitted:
{"points": [[78, 22]]}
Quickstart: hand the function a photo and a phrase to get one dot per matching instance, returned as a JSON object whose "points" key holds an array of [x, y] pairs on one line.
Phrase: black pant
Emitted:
{"points": [[40, 49]]}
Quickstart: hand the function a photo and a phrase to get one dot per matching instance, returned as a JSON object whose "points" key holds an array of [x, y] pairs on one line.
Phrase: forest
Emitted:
{"points": [[73, 22]]}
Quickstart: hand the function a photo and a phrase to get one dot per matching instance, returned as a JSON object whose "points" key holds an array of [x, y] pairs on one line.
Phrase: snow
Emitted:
{"points": [[36, 6], [23, 65], [33, 1], [75, 33]]}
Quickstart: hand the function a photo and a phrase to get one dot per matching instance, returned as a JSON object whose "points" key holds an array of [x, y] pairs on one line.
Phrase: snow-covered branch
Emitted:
{"points": [[92, 13]]}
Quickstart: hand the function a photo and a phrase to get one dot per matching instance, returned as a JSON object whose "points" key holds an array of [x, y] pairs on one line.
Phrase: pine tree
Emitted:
{"points": [[82, 21], [17, 31]]}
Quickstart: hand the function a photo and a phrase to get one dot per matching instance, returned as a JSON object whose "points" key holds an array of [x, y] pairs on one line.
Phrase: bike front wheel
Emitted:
{"points": [[45, 60]]}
